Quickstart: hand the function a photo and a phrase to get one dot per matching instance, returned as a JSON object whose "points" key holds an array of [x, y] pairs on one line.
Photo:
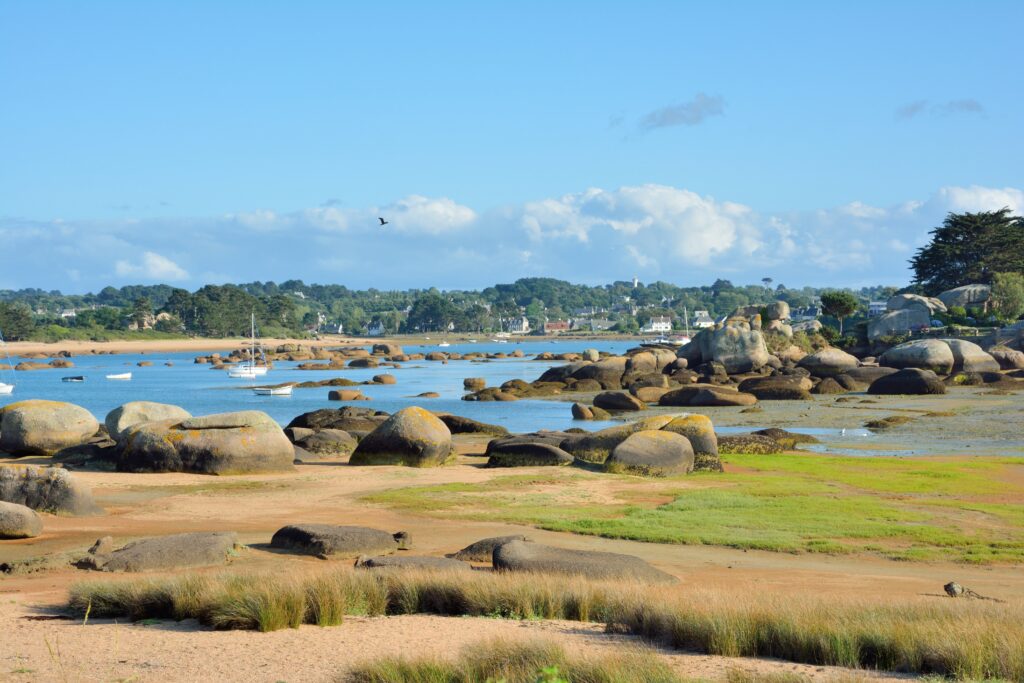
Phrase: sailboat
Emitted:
{"points": [[5, 388], [249, 369]]}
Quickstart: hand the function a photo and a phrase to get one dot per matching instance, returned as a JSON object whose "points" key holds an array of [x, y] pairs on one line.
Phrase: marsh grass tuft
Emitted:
{"points": [[961, 639], [518, 662]]}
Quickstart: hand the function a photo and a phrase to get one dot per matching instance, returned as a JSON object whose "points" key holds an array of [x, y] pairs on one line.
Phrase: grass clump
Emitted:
{"points": [[887, 422], [961, 639], [531, 661]]}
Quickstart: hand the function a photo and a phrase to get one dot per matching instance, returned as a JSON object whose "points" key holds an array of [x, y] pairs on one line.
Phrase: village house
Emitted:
{"points": [[659, 324], [702, 319], [556, 326]]}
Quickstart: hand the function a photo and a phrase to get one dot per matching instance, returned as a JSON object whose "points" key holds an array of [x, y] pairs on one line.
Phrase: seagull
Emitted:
{"points": [[382, 221]]}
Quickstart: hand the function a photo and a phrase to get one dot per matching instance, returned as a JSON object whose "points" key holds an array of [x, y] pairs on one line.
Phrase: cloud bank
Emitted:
{"points": [[593, 236]]}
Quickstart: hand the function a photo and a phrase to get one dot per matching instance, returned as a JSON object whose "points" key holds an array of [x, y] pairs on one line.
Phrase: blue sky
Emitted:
{"points": [[815, 143]]}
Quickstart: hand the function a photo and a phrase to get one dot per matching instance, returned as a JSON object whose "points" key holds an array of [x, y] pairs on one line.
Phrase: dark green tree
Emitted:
{"points": [[969, 248], [839, 304], [15, 321]]}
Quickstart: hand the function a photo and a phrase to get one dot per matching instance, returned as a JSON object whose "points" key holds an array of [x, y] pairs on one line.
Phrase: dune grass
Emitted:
{"points": [[958, 638], [526, 661], [965, 509]]}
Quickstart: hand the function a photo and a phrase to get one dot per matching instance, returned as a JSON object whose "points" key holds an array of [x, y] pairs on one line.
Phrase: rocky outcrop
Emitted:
{"points": [[898, 322], [607, 372], [474, 383], [36, 427], [1008, 359], [966, 296], [121, 419], [925, 354], [329, 541], [46, 489], [228, 443], [327, 443], [483, 550], [652, 454], [618, 401], [413, 437], [700, 432], [778, 388], [523, 556], [167, 552], [597, 446], [738, 350], [415, 562], [908, 381], [463, 425], [19, 521], [969, 357], [706, 395], [901, 302], [526, 451], [828, 362], [351, 419]]}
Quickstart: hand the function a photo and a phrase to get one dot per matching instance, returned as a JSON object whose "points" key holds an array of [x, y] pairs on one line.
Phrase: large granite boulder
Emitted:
{"points": [[121, 419], [908, 381], [387, 349], [969, 357], [739, 350], [706, 395], [652, 454], [597, 446], [483, 550], [463, 425], [901, 302], [1008, 359], [966, 296], [327, 443], [19, 521], [859, 379], [36, 427], [925, 354], [47, 489], [778, 388], [700, 432], [618, 401], [196, 549], [330, 541], [607, 372], [413, 437], [898, 322], [227, 443], [828, 362], [523, 556]]}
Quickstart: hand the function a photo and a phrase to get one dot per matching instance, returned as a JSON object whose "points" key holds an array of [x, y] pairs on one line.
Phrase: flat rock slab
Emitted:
{"points": [[483, 550], [413, 562], [521, 556], [169, 552], [516, 453], [327, 540]]}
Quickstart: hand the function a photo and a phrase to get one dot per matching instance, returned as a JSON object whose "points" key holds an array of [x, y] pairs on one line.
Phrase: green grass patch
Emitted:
{"points": [[907, 509]]}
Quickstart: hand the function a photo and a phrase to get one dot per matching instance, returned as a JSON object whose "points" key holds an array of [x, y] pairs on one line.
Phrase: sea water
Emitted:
{"points": [[201, 390]]}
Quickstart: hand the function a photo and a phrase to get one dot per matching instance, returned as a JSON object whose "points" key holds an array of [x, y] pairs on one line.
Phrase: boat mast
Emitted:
{"points": [[686, 321], [10, 363]]}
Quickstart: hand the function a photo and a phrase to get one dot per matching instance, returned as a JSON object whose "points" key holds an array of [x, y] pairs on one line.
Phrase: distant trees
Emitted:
{"points": [[839, 304], [1008, 295], [969, 248], [15, 321]]}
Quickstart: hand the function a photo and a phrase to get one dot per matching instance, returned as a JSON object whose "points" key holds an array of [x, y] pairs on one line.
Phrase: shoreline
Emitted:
{"points": [[197, 344]]}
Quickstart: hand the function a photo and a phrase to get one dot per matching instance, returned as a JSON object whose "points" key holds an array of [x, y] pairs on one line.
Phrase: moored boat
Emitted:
{"points": [[120, 376], [285, 390]]}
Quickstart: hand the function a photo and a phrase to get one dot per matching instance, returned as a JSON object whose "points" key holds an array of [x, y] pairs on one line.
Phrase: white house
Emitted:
{"points": [[376, 329], [876, 308], [520, 325], [702, 319], [659, 324]]}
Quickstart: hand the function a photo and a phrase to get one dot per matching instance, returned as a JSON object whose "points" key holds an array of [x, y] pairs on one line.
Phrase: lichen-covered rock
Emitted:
{"points": [[706, 395], [652, 454], [525, 451], [750, 444], [330, 541], [350, 419], [828, 362], [523, 556], [328, 443], [47, 489], [36, 427], [700, 432], [924, 354], [227, 443], [597, 446], [121, 419], [474, 383], [413, 437], [19, 521], [739, 350], [463, 425], [969, 357], [618, 401], [778, 388], [908, 381]]}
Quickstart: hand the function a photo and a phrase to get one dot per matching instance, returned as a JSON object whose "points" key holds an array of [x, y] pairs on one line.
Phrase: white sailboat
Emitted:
{"points": [[5, 388], [249, 369]]}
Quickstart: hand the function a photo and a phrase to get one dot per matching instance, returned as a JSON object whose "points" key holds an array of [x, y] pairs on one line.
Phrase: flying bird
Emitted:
{"points": [[382, 221]]}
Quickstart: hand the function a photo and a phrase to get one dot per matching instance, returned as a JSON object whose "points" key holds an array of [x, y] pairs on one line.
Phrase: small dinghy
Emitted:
{"points": [[73, 378], [120, 376], [286, 390]]}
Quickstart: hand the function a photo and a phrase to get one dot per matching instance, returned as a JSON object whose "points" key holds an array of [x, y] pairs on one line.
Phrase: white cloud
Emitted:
{"points": [[152, 267], [596, 235]]}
